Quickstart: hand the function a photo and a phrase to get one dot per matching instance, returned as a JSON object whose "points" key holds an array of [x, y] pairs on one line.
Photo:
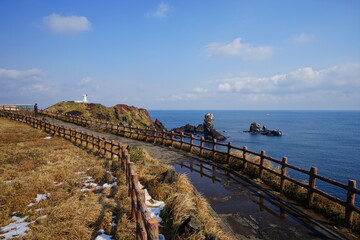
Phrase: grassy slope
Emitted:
{"points": [[38, 166], [119, 113]]}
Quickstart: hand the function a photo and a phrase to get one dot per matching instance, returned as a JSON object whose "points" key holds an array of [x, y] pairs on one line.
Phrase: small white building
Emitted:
{"points": [[84, 100]]}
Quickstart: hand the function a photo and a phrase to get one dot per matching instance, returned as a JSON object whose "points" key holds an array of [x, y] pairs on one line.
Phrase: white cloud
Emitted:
{"points": [[200, 90], [184, 96], [160, 12], [58, 24], [85, 81], [17, 74], [237, 48], [303, 38], [341, 78]]}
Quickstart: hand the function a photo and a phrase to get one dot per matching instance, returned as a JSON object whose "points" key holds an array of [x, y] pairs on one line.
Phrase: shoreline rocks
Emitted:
{"points": [[258, 128], [207, 128]]}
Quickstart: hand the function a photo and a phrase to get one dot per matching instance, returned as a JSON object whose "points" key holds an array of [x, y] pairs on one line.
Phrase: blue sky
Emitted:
{"points": [[182, 54]]}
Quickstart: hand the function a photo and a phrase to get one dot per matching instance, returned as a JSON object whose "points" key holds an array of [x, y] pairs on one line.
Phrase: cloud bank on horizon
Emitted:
{"points": [[183, 55]]}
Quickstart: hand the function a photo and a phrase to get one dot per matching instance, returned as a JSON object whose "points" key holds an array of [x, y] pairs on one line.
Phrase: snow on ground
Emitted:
{"points": [[103, 236], [47, 137], [8, 181], [38, 198], [18, 228], [154, 207]]}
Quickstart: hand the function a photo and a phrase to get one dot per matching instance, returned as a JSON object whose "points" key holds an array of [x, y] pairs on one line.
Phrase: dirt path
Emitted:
{"points": [[243, 210]]}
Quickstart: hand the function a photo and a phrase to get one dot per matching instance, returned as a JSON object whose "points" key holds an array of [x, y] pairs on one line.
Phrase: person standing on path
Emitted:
{"points": [[36, 110]]}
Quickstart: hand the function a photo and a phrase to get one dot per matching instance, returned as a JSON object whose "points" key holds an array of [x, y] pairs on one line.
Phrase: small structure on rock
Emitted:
{"points": [[258, 128], [84, 100]]}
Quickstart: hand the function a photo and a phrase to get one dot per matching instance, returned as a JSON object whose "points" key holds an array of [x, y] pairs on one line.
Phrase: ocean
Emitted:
{"points": [[328, 140]]}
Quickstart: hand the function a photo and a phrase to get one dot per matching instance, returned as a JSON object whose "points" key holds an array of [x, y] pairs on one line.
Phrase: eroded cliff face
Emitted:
{"points": [[119, 113]]}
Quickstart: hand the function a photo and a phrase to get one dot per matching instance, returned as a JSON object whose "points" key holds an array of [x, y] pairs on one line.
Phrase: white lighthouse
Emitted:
{"points": [[84, 100]]}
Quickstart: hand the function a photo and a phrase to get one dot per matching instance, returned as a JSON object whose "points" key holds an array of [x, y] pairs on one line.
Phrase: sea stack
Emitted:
{"points": [[209, 132]]}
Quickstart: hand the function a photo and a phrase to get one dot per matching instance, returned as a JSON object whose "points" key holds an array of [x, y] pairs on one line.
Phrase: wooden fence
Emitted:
{"points": [[197, 145], [146, 227]]}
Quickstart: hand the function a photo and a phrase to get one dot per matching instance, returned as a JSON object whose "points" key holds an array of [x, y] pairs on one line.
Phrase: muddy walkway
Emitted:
{"points": [[244, 210]]}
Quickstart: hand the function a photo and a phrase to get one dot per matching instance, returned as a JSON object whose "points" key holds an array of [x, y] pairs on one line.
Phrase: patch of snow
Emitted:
{"points": [[155, 213], [107, 185], [39, 209], [78, 173], [103, 236], [8, 181], [113, 224], [58, 184], [47, 137], [38, 198], [15, 229]]}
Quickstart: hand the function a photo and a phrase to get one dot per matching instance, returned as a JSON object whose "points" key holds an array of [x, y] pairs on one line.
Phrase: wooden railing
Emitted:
{"points": [[197, 145], [146, 227]]}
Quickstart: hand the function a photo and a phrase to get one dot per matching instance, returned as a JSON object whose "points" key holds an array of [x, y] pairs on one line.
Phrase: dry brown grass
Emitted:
{"points": [[38, 166], [181, 200]]}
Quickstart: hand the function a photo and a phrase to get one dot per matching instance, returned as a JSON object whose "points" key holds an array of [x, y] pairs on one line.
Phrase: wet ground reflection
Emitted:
{"points": [[248, 212]]}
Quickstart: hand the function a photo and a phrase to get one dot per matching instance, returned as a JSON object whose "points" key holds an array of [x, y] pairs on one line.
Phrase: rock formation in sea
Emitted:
{"points": [[207, 128], [258, 128]]}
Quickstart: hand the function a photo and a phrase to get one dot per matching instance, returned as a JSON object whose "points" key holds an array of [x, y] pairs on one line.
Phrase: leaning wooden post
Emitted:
{"points": [[244, 157], [130, 174], [228, 154], [214, 149], [201, 146], [350, 203], [262, 158], [311, 186], [283, 173]]}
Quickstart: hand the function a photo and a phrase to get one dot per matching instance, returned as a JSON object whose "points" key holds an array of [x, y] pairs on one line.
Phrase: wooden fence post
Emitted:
{"points": [[262, 163], [181, 140], [172, 138], [244, 157], [140, 226], [135, 180], [350, 202], [163, 137], [311, 186], [201, 146], [152, 229], [214, 149], [155, 135], [283, 174], [191, 142], [228, 154]]}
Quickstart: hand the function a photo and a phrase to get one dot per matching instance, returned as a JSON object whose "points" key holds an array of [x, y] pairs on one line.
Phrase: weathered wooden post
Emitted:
{"points": [[262, 158], [154, 135], [350, 203], [228, 154], [152, 229], [191, 142], [172, 138], [163, 137], [181, 140], [311, 186], [140, 226], [201, 146], [244, 157], [214, 149], [135, 180], [283, 173]]}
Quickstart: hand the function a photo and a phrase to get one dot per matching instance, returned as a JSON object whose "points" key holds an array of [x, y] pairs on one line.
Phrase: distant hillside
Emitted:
{"points": [[118, 113]]}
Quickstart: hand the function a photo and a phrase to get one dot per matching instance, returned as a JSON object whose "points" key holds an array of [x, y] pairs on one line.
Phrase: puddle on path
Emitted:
{"points": [[248, 213]]}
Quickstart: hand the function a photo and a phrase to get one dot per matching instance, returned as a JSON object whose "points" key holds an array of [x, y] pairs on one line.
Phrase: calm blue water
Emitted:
{"points": [[329, 140]]}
